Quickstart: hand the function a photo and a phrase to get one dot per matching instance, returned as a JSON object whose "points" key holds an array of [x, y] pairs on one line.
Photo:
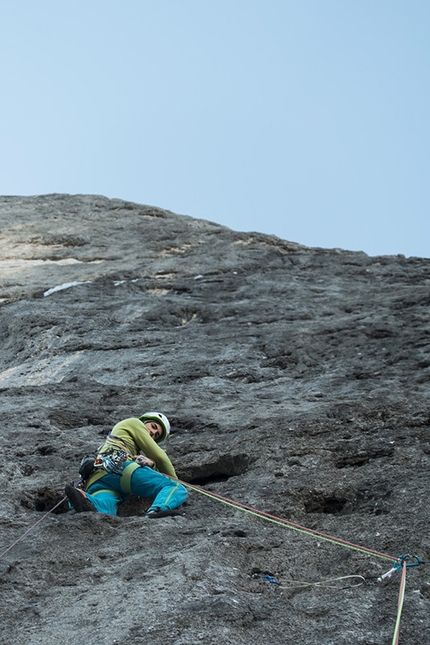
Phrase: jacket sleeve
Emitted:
{"points": [[142, 439]]}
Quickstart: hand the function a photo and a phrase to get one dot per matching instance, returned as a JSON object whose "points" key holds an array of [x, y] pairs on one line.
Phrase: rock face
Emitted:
{"points": [[296, 381]]}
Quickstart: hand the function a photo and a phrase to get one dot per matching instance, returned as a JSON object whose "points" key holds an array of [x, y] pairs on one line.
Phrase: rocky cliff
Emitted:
{"points": [[296, 380]]}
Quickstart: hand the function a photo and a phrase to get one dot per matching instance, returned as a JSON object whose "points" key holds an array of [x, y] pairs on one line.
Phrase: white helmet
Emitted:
{"points": [[160, 418]]}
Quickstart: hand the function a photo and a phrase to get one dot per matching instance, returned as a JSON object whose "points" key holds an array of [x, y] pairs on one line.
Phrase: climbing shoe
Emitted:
{"points": [[79, 500], [153, 514]]}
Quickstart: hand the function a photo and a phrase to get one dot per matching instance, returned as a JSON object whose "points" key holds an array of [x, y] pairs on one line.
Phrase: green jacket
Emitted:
{"points": [[132, 436]]}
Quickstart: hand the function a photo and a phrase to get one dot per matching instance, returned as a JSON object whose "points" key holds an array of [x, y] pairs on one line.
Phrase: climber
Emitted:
{"points": [[130, 461]]}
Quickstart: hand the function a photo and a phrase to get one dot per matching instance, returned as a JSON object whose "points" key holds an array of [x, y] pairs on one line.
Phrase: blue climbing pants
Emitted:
{"points": [[106, 493]]}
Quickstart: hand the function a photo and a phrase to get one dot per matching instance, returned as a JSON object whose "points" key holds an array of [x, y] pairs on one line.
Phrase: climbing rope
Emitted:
{"points": [[32, 527], [400, 604], [291, 525], [399, 563], [402, 564], [321, 584]]}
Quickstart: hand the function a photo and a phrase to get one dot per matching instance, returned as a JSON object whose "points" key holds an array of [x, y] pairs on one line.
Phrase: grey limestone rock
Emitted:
{"points": [[297, 382]]}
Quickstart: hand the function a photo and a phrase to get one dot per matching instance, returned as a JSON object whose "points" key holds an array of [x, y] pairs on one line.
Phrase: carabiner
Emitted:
{"points": [[272, 580], [398, 564], [403, 558]]}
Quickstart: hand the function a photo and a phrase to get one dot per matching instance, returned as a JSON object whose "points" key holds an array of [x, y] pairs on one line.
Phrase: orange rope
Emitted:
{"points": [[292, 525]]}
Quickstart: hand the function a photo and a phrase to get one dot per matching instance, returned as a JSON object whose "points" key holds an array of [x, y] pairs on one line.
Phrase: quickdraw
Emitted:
{"points": [[112, 462], [114, 459], [398, 564]]}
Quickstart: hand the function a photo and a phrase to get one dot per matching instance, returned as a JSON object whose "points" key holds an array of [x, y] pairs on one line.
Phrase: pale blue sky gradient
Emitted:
{"points": [[308, 119]]}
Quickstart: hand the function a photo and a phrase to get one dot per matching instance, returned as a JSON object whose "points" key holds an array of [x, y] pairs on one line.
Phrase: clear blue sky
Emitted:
{"points": [[309, 119]]}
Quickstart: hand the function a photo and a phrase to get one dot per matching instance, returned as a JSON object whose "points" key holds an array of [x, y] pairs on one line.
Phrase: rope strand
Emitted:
{"points": [[32, 527], [400, 604], [291, 525], [321, 584], [282, 522]]}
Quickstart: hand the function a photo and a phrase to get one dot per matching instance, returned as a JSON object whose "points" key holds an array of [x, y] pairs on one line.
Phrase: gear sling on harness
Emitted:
{"points": [[115, 461]]}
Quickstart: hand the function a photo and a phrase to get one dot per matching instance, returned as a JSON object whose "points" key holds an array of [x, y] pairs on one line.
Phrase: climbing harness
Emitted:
{"points": [[113, 460], [116, 460], [125, 481]]}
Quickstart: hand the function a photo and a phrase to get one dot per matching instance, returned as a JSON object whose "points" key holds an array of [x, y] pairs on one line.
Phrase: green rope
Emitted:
{"points": [[400, 605], [322, 536], [291, 525]]}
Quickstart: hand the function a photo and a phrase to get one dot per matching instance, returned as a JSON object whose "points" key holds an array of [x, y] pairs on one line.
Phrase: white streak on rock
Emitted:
{"points": [[66, 285]]}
